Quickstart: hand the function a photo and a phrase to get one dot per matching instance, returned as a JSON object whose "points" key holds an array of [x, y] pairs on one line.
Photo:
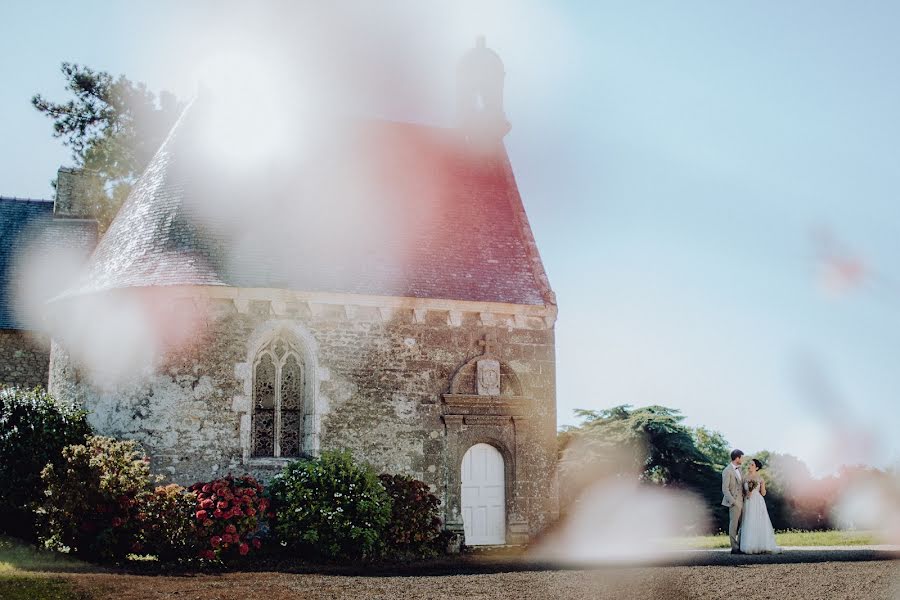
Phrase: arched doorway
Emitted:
{"points": [[483, 496]]}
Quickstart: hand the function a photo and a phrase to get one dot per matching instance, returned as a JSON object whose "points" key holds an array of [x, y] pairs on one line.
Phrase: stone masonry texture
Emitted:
{"points": [[24, 358], [381, 380]]}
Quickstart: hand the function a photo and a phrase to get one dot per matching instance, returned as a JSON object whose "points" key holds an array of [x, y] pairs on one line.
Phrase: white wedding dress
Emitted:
{"points": [[757, 535]]}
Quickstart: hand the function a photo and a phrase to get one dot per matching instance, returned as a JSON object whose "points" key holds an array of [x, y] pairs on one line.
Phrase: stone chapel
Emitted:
{"points": [[379, 292]]}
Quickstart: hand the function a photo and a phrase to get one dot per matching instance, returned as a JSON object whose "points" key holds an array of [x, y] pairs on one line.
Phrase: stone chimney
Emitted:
{"points": [[480, 77], [77, 192]]}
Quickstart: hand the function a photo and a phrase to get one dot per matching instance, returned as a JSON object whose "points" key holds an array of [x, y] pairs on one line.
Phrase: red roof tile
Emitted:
{"points": [[377, 207]]}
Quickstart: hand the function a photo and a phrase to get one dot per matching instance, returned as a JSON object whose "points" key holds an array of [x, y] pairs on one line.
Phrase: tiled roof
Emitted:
{"points": [[23, 223], [376, 207]]}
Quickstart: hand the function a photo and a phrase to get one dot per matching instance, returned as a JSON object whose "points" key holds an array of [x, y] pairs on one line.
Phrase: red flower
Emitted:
{"points": [[231, 529], [208, 555], [237, 512], [206, 488], [201, 515], [222, 505], [256, 543], [207, 503], [243, 549], [227, 538], [251, 511], [218, 513], [215, 541]]}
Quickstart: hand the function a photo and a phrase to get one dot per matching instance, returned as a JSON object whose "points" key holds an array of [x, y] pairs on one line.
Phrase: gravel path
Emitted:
{"points": [[809, 574]]}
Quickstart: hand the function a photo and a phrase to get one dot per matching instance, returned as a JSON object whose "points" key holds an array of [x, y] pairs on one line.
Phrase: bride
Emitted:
{"points": [[757, 534]]}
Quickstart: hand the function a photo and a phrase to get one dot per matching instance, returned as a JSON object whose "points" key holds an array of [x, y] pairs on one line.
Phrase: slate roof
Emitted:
{"points": [[25, 223], [372, 207]]}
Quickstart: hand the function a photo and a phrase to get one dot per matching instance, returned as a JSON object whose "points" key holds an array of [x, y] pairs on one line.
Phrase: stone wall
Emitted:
{"points": [[379, 385], [24, 358]]}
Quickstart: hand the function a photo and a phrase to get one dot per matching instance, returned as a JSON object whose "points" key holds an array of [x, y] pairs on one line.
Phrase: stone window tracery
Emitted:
{"points": [[278, 384]]}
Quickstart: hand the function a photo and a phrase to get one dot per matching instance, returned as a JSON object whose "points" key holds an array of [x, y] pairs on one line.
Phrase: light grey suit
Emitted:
{"points": [[733, 498]]}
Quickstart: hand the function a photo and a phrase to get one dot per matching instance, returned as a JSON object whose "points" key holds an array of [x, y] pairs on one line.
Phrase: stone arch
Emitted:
{"points": [[463, 381], [461, 437], [306, 346]]}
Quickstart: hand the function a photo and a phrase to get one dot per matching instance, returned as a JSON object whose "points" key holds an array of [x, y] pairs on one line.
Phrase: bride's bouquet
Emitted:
{"points": [[752, 485]]}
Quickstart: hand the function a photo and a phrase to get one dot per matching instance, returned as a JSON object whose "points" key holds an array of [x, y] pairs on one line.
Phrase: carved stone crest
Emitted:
{"points": [[488, 380]]}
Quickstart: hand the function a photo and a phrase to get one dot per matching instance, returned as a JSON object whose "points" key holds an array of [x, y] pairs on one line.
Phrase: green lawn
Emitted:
{"points": [[793, 538], [24, 573]]}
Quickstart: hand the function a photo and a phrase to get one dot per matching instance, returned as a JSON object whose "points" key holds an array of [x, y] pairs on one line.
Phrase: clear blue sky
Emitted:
{"points": [[675, 159]]}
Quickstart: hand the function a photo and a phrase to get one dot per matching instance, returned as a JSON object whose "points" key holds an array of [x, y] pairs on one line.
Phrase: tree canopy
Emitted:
{"points": [[113, 127], [714, 446], [652, 442]]}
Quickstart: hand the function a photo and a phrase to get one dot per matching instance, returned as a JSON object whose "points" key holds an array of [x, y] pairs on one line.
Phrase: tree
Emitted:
{"points": [[113, 126], [795, 499], [713, 445], [651, 441]]}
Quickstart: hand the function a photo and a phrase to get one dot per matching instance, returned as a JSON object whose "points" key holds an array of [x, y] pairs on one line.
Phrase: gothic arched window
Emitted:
{"points": [[277, 401]]}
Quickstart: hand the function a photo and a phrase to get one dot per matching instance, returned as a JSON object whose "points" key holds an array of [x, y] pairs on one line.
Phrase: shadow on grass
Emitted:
{"points": [[18, 559], [32, 587]]}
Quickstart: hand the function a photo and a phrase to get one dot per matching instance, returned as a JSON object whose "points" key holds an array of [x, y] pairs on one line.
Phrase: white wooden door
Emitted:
{"points": [[483, 496]]}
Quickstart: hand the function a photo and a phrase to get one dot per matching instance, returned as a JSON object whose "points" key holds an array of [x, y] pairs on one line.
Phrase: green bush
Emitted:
{"points": [[34, 429], [330, 507], [165, 524], [92, 498], [415, 525]]}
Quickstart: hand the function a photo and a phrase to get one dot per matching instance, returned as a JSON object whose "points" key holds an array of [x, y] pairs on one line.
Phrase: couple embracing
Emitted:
{"points": [[749, 526]]}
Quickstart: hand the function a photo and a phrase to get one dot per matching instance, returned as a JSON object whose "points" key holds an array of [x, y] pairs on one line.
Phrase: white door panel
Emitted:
{"points": [[483, 496]]}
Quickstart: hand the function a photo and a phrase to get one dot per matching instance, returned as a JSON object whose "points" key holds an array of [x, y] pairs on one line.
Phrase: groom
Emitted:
{"points": [[733, 497]]}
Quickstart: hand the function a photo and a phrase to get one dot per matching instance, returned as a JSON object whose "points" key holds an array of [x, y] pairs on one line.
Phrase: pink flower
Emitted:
{"points": [[251, 511], [243, 549], [231, 529], [222, 505], [215, 541], [206, 504], [206, 488], [218, 513], [237, 512]]}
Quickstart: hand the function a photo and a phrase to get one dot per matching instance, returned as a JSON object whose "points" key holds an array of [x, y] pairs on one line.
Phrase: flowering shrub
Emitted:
{"points": [[92, 498], [415, 527], [330, 506], [226, 516], [165, 519], [34, 429]]}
